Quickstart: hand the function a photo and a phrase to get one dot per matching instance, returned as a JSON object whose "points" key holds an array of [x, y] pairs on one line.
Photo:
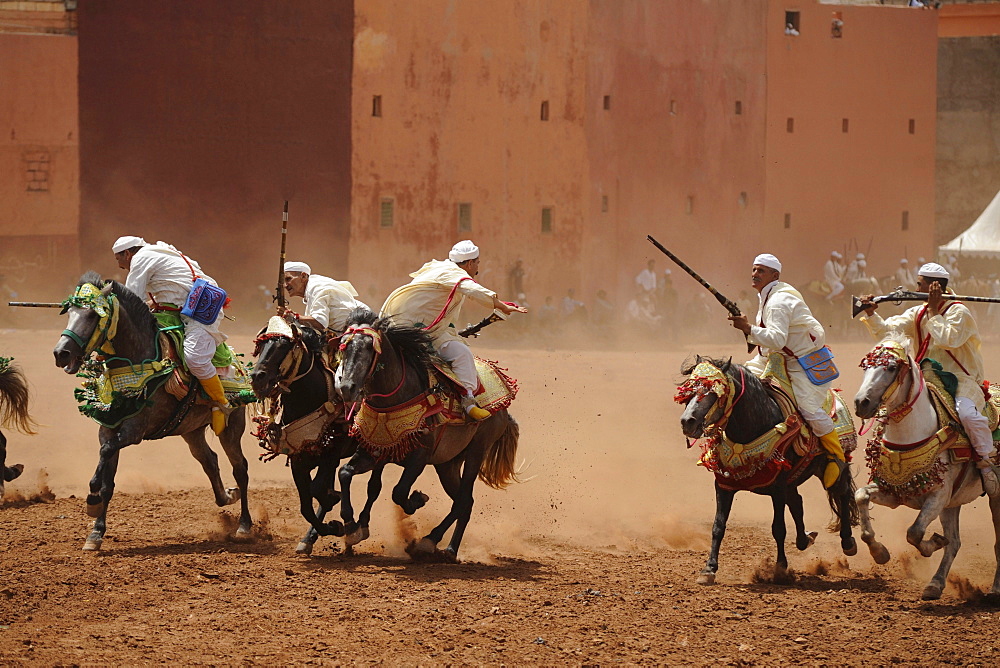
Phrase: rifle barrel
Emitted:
{"points": [[36, 304]]}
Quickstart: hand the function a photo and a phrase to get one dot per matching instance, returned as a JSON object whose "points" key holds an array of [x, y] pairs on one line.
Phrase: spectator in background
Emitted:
{"points": [[833, 275], [604, 310], [547, 313], [573, 310], [515, 278], [646, 279], [904, 275]]}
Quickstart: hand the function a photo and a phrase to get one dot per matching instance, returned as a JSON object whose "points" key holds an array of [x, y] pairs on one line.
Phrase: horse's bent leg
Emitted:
{"points": [[7, 473], [934, 504], [301, 468], [413, 465], [231, 439], [723, 506], [102, 487], [374, 490], [359, 463], [778, 531], [864, 498], [803, 539], [949, 523]]}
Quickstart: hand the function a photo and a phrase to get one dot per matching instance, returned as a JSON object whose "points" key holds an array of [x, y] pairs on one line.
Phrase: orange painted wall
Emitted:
{"points": [[978, 20], [850, 188], [39, 159]]}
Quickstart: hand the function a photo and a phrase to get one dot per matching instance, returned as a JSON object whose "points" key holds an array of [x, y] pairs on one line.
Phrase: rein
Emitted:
{"points": [[376, 337]]}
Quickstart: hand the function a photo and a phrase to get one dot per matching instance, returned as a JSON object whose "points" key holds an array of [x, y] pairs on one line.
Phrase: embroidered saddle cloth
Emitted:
{"points": [[393, 433]]}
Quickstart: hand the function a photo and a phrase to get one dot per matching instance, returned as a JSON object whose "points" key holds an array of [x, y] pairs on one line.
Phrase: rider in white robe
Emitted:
{"points": [[785, 325], [434, 299], [328, 302], [944, 330]]}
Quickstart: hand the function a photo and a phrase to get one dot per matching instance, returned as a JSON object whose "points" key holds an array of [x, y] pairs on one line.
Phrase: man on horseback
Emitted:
{"points": [[167, 276], [944, 330], [433, 300], [785, 325], [327, 302]]}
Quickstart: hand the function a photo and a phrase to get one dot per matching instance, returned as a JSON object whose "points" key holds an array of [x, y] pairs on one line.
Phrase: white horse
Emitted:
{"points": [[893, 382]]}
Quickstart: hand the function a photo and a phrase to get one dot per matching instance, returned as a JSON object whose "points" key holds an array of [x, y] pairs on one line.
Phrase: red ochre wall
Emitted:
{"points": [[848, 191], [198, 119], [39, 191]]}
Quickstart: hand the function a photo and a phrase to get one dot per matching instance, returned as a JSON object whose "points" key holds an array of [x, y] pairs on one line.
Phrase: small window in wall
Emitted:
{"points": [[906, 220], [464, 216], [546, 219], [788, 221], [792, 23], [36, 165], [689, 207], [545, 110], [387, 212], [743, 198], [790, 125], [739, 107], [604, 203], [377, 106], [837, 25], [673, 107], [607, 102], [844, 124], [913, 126]]}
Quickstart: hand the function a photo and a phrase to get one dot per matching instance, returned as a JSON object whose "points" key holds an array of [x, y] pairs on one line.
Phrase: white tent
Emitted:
{"points": [[982, 239]]}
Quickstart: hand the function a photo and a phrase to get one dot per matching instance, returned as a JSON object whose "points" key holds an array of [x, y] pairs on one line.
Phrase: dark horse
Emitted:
{"points": [[387, 365], [13, 413], [134, 340], [292, 370], [752, 413]]}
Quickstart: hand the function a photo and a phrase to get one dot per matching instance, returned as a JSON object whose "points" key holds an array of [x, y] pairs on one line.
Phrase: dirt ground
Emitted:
{"points": [[591, 560]]}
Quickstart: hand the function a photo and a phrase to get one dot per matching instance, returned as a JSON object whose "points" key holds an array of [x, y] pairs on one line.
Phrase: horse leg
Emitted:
{"points": [[803, 539], [450, 475], [102, 488], [864, 497], [931, 509], [231, 438], [778, 530], [413, 465], [9, 472], [843, 501], [374, 490], [209, 461], [995, 510], [723, 506], [321, 489], [949, 523], [361, 462]]}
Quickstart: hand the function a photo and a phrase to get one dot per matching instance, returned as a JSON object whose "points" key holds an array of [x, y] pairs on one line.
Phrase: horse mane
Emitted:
{"points": [[133, 304]]}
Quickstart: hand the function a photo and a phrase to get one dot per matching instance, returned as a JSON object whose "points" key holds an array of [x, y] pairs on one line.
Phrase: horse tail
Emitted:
{"points": [[14, 400], [499, 468], [835, 496]]}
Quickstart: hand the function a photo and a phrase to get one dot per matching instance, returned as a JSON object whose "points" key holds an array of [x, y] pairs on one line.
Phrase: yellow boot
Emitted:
{"points": [[473, 410], [213, 388], [837, 463]]}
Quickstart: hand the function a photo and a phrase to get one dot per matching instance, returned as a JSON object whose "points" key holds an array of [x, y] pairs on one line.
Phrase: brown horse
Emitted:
{"points": [[13, 413], [387, 365]]}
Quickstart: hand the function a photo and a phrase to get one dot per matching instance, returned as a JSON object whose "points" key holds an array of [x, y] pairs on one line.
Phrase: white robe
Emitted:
{"points": [[329, 302]]}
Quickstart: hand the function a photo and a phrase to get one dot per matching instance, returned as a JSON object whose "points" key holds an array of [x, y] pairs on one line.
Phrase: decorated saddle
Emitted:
{"points": [[912, 470], [750, 466], [391, 434]]}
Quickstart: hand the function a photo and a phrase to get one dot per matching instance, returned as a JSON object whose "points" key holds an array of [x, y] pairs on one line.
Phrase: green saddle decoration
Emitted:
{"points": [[171, 324], [947, 380], [111, 396]]}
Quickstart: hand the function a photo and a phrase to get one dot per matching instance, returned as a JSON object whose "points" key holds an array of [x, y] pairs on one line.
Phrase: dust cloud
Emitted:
{"points": [[606, 465]]}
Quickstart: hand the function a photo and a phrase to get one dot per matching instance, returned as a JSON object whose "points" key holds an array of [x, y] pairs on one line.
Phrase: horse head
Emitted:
{"points": [[280, 349], [93, 320], [358, 354], [707, 392], [887, 368]]}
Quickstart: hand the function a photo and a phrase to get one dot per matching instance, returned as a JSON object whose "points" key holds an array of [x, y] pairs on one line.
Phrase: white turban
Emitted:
{"points": [[124, 243], [859, 256], [768, 260], [904, 261], [933, 270], [463, 250], [298, 266], [836, 255]]}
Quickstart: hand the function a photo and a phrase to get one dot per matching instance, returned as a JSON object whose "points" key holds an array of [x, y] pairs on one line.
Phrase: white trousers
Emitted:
{"points": [[976, 426], [835, 289], [808, 397], [199, 349], [460, 357]]}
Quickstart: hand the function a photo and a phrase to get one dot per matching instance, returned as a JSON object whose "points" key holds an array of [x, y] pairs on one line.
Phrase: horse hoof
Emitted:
{"points": [[879, 553], [356, 536], [807, 542], [92, 544], [13, 472], [95, 509], [422, 547], [304, 547], [850, 546], [233, 495], [932, 592], [706, 579], [416, 501]]}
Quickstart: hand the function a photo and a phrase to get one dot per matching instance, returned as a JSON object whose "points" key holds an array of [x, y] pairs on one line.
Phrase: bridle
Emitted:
{"points": [[884, 355], [107, 307], [376, 337], [707, 378], [292, 359]]}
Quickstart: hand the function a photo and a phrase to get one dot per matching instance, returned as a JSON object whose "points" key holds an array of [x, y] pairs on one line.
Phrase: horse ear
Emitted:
{"points": [[729, 363], [106, 290]]}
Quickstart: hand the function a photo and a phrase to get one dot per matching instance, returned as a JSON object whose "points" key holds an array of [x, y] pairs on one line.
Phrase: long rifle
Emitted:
{"points": [[901, 295], [36, 304], [727, 303], [279, 291]]}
